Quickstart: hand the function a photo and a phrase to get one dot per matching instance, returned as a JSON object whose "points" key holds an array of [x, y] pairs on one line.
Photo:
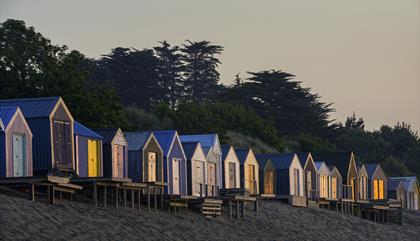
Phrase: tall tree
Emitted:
{"points": [[170, 68], [201, 75], [134, 75]]}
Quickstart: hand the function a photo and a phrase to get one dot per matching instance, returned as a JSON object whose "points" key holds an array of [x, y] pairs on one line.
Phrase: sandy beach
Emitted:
{"points": [[24, 220]]}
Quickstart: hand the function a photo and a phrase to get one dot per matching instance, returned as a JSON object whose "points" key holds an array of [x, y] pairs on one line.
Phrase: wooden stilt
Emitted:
{"points": [[125, 197], [155, 200], [95, 195], [139, 197], [230, 208], [148, 197], [237, 209], [161, 198], [243, 208], [116, 197], [105, 196], [132, 198], [33, 192]]}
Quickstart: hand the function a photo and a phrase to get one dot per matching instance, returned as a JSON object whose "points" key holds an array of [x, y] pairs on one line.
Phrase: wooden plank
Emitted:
{"points": [[69, 185], [57, 179], [64, 189]]}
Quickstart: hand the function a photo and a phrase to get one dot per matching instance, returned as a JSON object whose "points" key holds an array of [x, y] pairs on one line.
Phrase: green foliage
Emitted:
{"points": [[307, 142]]}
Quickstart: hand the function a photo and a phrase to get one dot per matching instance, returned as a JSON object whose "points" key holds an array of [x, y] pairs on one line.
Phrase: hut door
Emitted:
{"points": [[198, 177], [381, 189], [211, 177], [353, 191], [269, 182], [375, 189], [334, 188], [151, 167], [251, 177], [175, 176], [62, 144], [93, 166], [309, 183], [232, 176], [117, 161], [18, 155], [416, 201], [323, 186]]}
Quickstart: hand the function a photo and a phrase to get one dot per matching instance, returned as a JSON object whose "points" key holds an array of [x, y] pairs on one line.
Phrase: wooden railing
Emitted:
{"points": [[348, 192], [209, 190]]}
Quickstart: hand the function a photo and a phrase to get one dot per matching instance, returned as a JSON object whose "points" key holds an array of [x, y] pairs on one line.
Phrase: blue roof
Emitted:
{"points": [[206, 140], [393, 184], [165, 139], [280, 161], [318, 165], [33, 108], [6, 114], [82, 130], [189, 148], [370, 169], [136, 140], [242, 154], [303, 157], [225, 151], [407, 181]]}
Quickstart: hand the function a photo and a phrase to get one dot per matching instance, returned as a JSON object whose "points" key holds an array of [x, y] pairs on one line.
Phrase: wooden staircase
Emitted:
{"points": [[211, 207]]}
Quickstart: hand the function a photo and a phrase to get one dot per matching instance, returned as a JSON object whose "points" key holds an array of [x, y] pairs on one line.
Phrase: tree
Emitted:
{"points": [[201, 75], [170, 68], [30, 66], [276, 96], [133, 74]]}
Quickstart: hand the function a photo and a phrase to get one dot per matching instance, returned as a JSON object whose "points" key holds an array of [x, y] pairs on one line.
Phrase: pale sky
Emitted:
{"points": [[362, 55]]}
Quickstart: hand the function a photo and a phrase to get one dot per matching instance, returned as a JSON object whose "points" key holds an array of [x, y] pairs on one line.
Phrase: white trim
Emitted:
{"points": [[1, 125]]}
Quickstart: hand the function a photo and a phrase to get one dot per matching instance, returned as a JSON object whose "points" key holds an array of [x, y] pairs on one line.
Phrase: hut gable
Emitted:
{"points": [[248, 162], [196, 167], [344, 161], [322, 168], [309, 174], [377, 179], [15, 144], [231, 167]]}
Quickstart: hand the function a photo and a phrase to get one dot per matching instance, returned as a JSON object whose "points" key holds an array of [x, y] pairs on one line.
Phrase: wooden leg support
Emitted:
{"points": [[95, 195], [116, 197]]}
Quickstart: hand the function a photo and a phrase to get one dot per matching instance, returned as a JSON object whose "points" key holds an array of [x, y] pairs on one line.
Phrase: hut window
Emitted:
{"points": [[375, 189]]}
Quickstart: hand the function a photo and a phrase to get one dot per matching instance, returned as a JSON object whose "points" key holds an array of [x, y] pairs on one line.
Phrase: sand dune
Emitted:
{"points": [[23, 220]]}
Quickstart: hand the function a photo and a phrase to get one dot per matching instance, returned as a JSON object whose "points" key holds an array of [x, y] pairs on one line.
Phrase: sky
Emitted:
{"points": [[361, 55]]}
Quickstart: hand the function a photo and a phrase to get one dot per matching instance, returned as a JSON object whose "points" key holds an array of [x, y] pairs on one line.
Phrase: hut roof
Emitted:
{"points": [[280, 161], [370, 169], [6, 114], [318, 165], [189, 148], [108, 134], [34, 107], [225, 150], [393, 184], [341, 160], [242, 154], [207, 141], [262, 161], [408, 182], [82, 130], [165, 139], [137, 140], [303, 157]]}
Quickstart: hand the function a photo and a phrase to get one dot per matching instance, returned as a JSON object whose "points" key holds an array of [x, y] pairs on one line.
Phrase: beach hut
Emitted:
{"points": [[289, 174], [363, 186], [336, 183], [231, 167], [411, 190], [211, 147], [196, 167], [145, 157], [396, 191], [51, 124], [15, 143], [309, 175], [267, 176], [323, 180], [346, 164], [88, 151], [114, 152], [249, 170], [174, 162], [378, 182]]}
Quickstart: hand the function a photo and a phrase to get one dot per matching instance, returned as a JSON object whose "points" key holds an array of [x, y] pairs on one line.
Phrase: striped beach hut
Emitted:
{"points": [[114, 152], [145, 157], [196, 167], [267, 176], [15, 144], [88, 151], [378, 182], [323, 180], [231, 167], [250, 175], [289, 174], [211, 147], [309, 175], [345, 163], [51, 124], [174, 162], [336, 183]]}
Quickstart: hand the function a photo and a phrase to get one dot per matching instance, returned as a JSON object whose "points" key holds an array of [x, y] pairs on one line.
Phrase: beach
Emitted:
{"points": [[23, 220]]}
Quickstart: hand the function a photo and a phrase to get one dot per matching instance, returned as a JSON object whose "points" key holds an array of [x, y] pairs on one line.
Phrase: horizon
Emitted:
{"points": [[321, 43]]}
